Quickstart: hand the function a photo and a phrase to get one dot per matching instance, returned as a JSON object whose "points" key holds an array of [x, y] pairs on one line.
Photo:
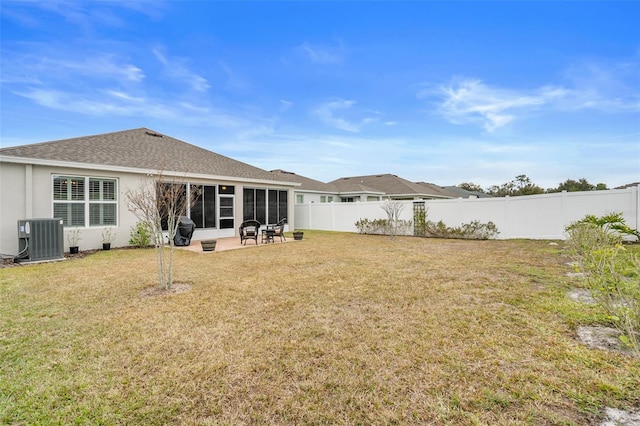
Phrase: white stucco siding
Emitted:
{"points": [[12, 205], [26, 192]]}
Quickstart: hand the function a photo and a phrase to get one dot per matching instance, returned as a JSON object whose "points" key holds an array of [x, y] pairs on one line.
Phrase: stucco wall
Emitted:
{"points": [[26, 193], [12, 206]]}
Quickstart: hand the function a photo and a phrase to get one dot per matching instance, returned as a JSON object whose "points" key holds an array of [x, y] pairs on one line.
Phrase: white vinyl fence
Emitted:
{"points": [[533, 217]]}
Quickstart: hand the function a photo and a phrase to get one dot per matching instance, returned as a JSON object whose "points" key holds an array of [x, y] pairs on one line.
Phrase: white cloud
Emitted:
{"points": [[472, 101], [610, 87], [118, 103], [327, 112], [176, 70], [45, 66], [285, 105], [322, 54]]}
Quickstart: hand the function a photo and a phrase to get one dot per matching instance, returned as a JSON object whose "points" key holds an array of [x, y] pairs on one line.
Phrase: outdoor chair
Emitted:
{"points": [[249, 230], [278, 229]]}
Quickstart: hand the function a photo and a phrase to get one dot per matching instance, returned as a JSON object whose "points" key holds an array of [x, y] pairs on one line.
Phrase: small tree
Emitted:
{"points": [[159, 201], [393, 208]]}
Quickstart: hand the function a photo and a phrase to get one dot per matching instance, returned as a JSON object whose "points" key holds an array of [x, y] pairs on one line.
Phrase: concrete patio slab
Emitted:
{"points": [[231, 243]]}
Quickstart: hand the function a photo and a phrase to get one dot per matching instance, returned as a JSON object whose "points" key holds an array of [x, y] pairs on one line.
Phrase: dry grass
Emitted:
{"points": [[336, 329]]}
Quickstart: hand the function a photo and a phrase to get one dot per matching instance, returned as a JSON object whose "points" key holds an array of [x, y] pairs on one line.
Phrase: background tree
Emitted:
{"points": [[521, 185], [160, 201], [470, 186], [581, 184]]}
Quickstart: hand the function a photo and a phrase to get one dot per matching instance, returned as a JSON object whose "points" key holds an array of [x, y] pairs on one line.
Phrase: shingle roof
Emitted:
{"points": [[460, 192], [140, 149], [388, 184], [306, 184]]}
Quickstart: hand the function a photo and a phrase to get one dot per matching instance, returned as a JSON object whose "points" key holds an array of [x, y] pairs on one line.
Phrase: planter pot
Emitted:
{"points": [[73, 250], [208, 245], [298, 235], [106, 246]]}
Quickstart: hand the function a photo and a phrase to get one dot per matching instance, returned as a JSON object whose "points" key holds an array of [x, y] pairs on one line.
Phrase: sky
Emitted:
{"points": [[434, 91]]}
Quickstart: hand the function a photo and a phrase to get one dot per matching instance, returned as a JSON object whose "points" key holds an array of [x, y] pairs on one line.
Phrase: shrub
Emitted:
{"points": [[472, 231], [613, 276], [383, 227], [587, 237], [612, 272], [140, 235], [611, 223]]}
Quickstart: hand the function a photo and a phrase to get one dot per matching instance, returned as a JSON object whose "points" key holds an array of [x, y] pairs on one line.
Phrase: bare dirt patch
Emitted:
{"points": [[605, 338], [582, 295], [614, 417], [157, 291]]}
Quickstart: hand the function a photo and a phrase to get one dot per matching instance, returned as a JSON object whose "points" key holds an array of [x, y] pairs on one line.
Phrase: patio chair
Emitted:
{"points": [[278, 229], [249, 230]]}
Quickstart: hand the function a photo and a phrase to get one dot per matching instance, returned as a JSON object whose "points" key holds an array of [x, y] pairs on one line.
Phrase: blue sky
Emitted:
{"points": [[443, 92]]}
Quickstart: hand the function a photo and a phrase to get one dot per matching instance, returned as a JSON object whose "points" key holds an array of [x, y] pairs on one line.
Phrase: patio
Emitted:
{"points": [[231, 243]]}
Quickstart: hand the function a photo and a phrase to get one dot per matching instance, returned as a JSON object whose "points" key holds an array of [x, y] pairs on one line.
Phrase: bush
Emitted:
{"points": [[383, 227], [613, 223], [472, 231], [140, 235], [612, 272], [587, 237], [613, 276]]}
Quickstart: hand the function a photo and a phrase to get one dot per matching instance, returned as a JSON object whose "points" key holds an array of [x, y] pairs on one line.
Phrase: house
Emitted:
{"points": [[463, 193], [84, 181], [310, 190], [386, 186]]}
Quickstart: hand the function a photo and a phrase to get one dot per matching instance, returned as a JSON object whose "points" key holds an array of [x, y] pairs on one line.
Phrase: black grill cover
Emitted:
{"points": [[184, 232]]}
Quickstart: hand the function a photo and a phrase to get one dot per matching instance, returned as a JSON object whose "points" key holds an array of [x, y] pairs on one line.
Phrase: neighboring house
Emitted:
{"points": [[386, 186], [629, 185], [84, 181], [463, 193], [310, 190]]}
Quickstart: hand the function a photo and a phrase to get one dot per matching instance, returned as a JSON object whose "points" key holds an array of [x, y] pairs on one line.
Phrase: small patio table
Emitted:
{"points": [[268, 233]]}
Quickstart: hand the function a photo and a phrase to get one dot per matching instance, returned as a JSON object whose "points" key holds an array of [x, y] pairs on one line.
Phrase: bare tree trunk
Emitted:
{"points": [[152, 200]]}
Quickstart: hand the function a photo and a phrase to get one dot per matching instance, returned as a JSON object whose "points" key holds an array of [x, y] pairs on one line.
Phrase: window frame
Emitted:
{"points": [[81, 204]]}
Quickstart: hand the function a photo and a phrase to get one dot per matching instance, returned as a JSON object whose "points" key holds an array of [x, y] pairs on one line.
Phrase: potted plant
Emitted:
{"points": [[297, 235], [208, 245], [107, 238], [73, 236]]}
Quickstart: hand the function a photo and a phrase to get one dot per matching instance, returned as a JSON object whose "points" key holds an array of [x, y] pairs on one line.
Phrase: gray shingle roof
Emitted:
{"points": [[306, 184], [388, 184], [140, 149]]}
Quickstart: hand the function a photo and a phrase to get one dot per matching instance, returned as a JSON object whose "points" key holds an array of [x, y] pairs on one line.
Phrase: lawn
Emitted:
{"points": [[335, 329]]}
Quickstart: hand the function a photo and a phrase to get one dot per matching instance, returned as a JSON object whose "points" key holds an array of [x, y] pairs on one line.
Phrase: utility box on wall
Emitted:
{"points": [[40, 239]]}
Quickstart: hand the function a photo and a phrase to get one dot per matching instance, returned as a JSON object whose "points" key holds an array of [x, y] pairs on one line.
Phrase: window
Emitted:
{"points": [[265, 206], [347, 199], [277, 205], [299, 199], [323, 198], [102, 202], [254, 205], [203, 211], [330, 199], [75, 196]]}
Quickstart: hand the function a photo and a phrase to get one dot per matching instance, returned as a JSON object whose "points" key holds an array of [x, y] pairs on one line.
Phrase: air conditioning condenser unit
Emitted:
{"points": [[40, 239]]}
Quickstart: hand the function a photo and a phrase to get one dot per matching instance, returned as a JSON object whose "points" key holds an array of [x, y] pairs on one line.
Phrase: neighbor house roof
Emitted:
{"points": [[389, 184], [138, 149], [463, 193], [306, 184]]}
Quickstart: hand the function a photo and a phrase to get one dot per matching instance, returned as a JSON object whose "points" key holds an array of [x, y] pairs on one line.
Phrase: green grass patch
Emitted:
{"points": [[336, 329]]}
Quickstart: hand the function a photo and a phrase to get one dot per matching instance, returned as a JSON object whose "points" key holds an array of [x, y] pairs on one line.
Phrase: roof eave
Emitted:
{"points": [[134, 170]]}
